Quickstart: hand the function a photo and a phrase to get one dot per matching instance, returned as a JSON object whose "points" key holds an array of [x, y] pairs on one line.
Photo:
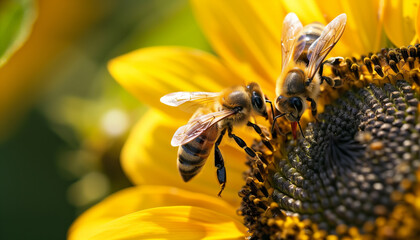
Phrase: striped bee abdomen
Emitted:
{"points": [[309, 34], [193, 155]]}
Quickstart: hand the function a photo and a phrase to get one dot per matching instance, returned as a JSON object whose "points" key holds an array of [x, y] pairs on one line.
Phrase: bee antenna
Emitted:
{"points": [[298, 122], [275, 120], [301, 131], [271, 106]]}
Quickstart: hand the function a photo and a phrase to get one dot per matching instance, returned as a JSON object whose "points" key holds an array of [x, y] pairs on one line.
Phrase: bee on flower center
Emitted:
{"points": [[303, 52]]}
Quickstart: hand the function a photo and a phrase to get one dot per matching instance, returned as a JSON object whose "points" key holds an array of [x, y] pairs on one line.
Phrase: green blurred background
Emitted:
{"points": [[63, 118]]}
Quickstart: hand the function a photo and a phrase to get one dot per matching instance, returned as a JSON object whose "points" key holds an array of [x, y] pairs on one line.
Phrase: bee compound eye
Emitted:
{"points": [[280, 99], [281, 103], [295, 102], [257, 101]]}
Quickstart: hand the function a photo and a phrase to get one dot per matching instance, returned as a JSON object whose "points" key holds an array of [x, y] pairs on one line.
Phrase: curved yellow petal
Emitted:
{"points": [[400, 20], [149, 158], [150, 73], [246, 34], [308, 10], [363, 30], [183, 222], [135, 199]]}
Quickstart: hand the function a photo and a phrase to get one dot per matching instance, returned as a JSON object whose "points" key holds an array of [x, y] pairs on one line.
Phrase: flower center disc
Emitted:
{"points": [[344, 175], [353, 160]]}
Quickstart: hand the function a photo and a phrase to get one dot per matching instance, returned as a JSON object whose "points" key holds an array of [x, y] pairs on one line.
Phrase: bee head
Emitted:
{"points": [[257, 99], [236, 99], [292, 107]]}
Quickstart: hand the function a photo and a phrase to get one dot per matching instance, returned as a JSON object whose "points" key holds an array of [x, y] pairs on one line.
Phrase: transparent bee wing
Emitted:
{"points": [[196, 126], [290, 33], [189, 101], [323, 45], [312, 48], [298, 50]]}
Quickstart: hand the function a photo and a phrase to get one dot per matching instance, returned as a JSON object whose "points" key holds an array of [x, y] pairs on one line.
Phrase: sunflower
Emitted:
{"points": [[272, 200]]}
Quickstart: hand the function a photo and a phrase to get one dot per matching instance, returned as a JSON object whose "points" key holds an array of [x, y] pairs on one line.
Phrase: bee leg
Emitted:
{"points": [[220, 164], [336, 60], [263, 137], [338, 82], [313, 107], [332, 61], [241, 143], [274, 118], [320, 71], [271, 106], [274, 124], [328, 80], [273, 133]]}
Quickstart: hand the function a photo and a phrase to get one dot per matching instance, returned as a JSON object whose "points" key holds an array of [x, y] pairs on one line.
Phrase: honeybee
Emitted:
{"points": [[303, 52], [218, 114]]}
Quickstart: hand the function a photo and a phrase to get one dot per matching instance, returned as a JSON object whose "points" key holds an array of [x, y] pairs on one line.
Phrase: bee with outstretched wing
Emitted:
{"points": [[219, 113], [303, 52]]}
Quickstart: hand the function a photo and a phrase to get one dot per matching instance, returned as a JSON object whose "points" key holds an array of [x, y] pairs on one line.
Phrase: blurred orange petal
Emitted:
{"points": [[150, 73], [108, 218], [58, 24], [417, 24], [149, 158]]}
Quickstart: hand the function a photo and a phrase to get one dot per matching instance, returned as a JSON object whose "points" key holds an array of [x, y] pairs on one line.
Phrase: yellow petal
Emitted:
{"points": [[308, 10], [135, 199], [182, 222], [418, 24], [363, 33], [246, 34], [363, 29], [150, 73], [148, 158], [399, 21]]}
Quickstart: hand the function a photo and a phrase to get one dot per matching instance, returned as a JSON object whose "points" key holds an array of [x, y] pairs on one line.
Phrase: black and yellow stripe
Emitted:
{"points": [[193, 155], [310, 33]]}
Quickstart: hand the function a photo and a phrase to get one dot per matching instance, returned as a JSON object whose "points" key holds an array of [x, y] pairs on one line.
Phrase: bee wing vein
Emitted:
{"points": [[189, 101], [291, 29], [324, 44], [197, 126]]}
